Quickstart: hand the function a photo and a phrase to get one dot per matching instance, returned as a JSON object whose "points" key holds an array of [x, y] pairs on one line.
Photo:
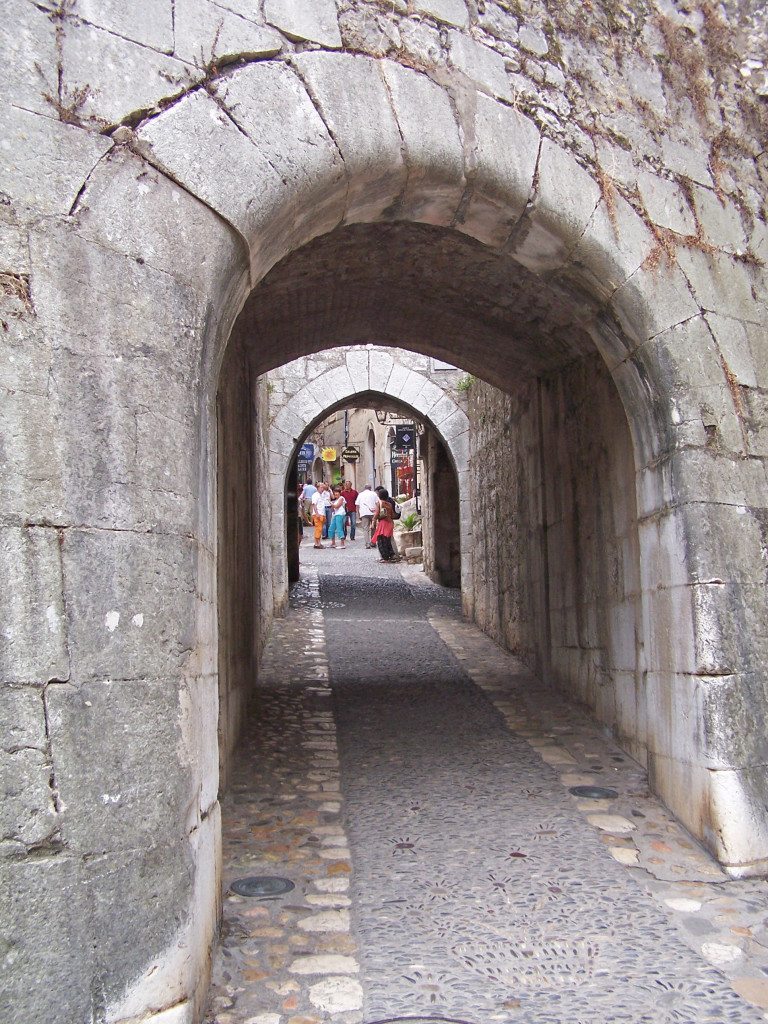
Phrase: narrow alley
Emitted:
{"points": [[463, 845]]}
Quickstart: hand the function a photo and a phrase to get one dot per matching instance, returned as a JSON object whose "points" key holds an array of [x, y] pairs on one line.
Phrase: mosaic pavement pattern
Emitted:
{"points": [[476, 891], [443, 871]]}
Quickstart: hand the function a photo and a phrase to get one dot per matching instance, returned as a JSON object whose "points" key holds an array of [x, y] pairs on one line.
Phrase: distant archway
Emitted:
{"points": [[365, 380]]}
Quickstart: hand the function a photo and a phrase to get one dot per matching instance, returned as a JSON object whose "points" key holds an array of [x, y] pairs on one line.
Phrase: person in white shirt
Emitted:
{"points": [[318, 504], [366, 504], [339, 514]]}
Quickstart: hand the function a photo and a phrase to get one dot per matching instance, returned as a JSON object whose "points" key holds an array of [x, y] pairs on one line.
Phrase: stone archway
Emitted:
{"points": [[130, 272], [367, 375]]}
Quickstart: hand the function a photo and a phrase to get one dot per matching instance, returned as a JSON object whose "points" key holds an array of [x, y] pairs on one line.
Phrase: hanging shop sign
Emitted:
{"points": [[328, 454], [307, 451], [351, 453], [405, 436]]}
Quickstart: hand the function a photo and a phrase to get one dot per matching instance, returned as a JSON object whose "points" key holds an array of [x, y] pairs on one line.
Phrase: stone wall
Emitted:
{"points": [[556, 540], [245, 512], [507, 186]]}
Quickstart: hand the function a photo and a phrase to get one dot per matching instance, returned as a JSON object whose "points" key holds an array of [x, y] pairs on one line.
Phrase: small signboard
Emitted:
{"points": [[307, 451], [328, 455], [405, 436], [351, 453]]}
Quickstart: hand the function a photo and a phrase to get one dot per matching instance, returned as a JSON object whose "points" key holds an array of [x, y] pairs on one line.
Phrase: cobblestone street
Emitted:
{"points": [[415, 784]]}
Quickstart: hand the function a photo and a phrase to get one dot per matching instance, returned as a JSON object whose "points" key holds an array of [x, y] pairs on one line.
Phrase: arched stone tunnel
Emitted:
{"points": [[208, 220]]}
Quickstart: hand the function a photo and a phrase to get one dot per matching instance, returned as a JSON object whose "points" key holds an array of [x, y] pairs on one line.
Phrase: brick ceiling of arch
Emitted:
{"points": [[428, 289]]}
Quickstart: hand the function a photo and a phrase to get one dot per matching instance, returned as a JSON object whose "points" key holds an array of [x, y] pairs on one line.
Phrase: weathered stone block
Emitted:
{"points": [[432, 148], [357, 367], [450, 12], [690, 376], [48, 938], [701, 542], [225, 158], [116, 369], [306, 407], [738, 832], [311, 20], [138, 889], [199, 750], [614, 245], [412, 388], [118, 770], [27, 811], [270, 104], [45, 162], [14, 256], [727, 707], [686, 157], [108, 80], [422, 44], [151, 26], [692, 628], [132, 208], [735, 341], [725, 286], [30, 472], [666, 203], [353, 101], [705, 476], [720, 219], [672, 303], [480, 64], [28, 47], [33, 642], [379, 369], [290, 422], [130, 600], [565, 200], [207, 34], [441, 410], [397, 379], [430, 395], [163, 972], [502, 176], [498, 22]]}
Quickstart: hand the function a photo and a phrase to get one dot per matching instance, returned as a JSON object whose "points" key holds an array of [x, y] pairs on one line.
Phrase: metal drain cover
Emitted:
{"points": [[420, 1020], [594, 792], [262, 885]]}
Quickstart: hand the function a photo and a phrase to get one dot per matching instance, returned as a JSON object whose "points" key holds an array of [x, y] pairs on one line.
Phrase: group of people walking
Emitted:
{"points": [[334, 511]]}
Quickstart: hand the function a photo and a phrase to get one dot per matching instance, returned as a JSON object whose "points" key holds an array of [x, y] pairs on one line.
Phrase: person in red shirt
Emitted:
{"points": [[349, 494]]}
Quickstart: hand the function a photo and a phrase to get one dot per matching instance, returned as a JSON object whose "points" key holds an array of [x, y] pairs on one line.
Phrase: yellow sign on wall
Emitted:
{"points": [[328, 455]]}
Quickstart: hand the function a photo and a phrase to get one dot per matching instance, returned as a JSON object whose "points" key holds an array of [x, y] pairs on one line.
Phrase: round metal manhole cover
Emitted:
{"points": [[420, 1020], [262, 885], [593, 792]]}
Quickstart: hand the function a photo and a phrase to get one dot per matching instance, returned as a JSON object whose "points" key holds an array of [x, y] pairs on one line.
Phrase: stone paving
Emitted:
{"points": [[412, 780]]}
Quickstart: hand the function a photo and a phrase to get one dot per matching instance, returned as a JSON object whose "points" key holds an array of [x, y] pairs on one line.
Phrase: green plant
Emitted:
{"points": [[409, 521], [465, 383]]}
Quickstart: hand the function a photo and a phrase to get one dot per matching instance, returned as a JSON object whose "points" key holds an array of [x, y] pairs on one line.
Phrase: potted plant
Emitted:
{"points": [[408, 533]]}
